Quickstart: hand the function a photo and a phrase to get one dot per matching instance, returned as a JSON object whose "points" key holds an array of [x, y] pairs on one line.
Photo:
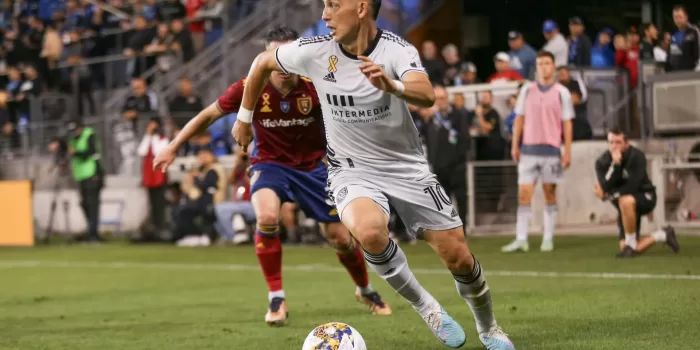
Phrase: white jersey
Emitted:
{"points": [[366, 128]]}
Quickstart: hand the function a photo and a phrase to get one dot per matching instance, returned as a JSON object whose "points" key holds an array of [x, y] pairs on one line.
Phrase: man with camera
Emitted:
{"points": [[204, 188], [623, 179], [83, 150], [154, 181]]}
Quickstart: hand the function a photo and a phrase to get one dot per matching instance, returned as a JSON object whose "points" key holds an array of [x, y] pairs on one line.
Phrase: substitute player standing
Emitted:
{"points": [[376, 158], [543, 112], [287, 166]]}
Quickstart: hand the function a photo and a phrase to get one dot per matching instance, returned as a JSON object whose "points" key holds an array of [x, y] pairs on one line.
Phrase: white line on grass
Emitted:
{"points": [[7, 264]]}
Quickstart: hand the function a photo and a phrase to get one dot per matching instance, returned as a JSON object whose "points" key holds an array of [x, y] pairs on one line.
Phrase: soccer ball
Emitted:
{"points": [[334, 336]]}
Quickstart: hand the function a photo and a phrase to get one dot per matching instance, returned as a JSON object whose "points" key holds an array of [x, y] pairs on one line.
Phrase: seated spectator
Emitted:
{"points": [[503, 71], [467, 75], [579, 97], [169, 10], [602, 54], [186, 104], [217, 144], [138, 103], [183, 40], [154, 180], [232, 217], [204, 188]]}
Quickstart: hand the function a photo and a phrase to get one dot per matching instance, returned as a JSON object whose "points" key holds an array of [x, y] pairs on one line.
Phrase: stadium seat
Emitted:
{"points": [[116, 221]]}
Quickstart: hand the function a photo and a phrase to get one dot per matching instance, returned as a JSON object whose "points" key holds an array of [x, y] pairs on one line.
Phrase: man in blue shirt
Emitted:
{"points": [[579, 44], [522, 55]]}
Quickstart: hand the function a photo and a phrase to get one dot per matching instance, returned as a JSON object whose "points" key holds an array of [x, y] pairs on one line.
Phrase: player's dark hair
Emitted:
{"points": [[680, 8], [544, 53], [376, 6], [282, 34], [617, 131]]}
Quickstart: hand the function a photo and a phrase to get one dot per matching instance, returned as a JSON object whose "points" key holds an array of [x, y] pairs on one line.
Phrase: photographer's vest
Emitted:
{"points": [[85, 168]]}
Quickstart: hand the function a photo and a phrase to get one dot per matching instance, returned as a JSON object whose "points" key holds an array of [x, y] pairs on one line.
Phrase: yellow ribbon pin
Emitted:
{"points": [[332, 62]]}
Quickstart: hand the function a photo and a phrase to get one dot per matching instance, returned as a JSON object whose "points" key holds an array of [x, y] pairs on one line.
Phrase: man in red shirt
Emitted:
{"points": [[503, 71], [627, 55], [287, 166], [196, 27]]}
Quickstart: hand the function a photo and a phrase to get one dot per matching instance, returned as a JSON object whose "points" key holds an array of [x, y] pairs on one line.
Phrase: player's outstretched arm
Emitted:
{"points": [[196, 125]]}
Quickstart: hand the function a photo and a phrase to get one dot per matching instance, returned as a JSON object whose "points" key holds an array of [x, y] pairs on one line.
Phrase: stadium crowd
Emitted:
{"points": [[65, 47]]}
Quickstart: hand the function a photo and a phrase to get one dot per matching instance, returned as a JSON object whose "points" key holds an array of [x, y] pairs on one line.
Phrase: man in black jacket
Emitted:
{"points": [[446, 138], [623, 179], [684, 51]]}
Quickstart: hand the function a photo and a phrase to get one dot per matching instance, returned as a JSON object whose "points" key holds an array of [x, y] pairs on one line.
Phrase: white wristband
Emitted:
{"points": [[400, 88], [245, 115]]}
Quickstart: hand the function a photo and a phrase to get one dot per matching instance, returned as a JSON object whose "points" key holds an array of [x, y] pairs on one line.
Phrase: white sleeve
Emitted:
{"points": [[291, 57], [159, 144], [144, 145], [520, 105], [659, 55], [567, 106], [582, 87], [407, 60]]}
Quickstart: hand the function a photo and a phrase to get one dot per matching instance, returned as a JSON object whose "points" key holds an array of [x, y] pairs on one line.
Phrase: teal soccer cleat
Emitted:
{"points": [[445, 327], [496, 339]]}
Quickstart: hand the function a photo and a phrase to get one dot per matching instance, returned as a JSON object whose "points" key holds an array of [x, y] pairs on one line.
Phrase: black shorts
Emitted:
{"points": [[645, 204]]}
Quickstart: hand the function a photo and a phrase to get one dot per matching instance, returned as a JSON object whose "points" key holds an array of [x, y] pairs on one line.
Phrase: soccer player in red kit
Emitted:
{"points": [[287, 166]]}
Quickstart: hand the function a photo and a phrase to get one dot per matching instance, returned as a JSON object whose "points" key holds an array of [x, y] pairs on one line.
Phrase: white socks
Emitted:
{"points": [[365, 290], [550, 221], [659, 236], [392, 266], [475, 291], [275, 294], [523, 223], [631, 240]]}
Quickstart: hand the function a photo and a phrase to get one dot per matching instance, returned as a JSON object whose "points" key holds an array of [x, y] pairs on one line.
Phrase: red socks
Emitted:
{"points": [[268, 248], [354, 262]]}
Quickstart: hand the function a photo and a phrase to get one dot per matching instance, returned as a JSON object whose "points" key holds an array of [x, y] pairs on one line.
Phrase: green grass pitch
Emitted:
{"points": [[153, 297]]}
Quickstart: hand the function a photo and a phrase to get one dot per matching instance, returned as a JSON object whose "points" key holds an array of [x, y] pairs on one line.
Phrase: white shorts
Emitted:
{"points": [[421, 202], [531, 168]]}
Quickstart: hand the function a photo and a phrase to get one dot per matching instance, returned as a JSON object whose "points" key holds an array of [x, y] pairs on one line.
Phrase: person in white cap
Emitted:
{"points": [[503, 71]]}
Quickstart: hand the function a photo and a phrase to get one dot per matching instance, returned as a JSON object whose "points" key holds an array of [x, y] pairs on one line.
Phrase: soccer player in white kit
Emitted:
{"points": [[375, 156], [544, 113]]}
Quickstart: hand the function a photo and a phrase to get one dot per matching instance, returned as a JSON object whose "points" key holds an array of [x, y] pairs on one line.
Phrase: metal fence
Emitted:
{"points": [[678, 190]]}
